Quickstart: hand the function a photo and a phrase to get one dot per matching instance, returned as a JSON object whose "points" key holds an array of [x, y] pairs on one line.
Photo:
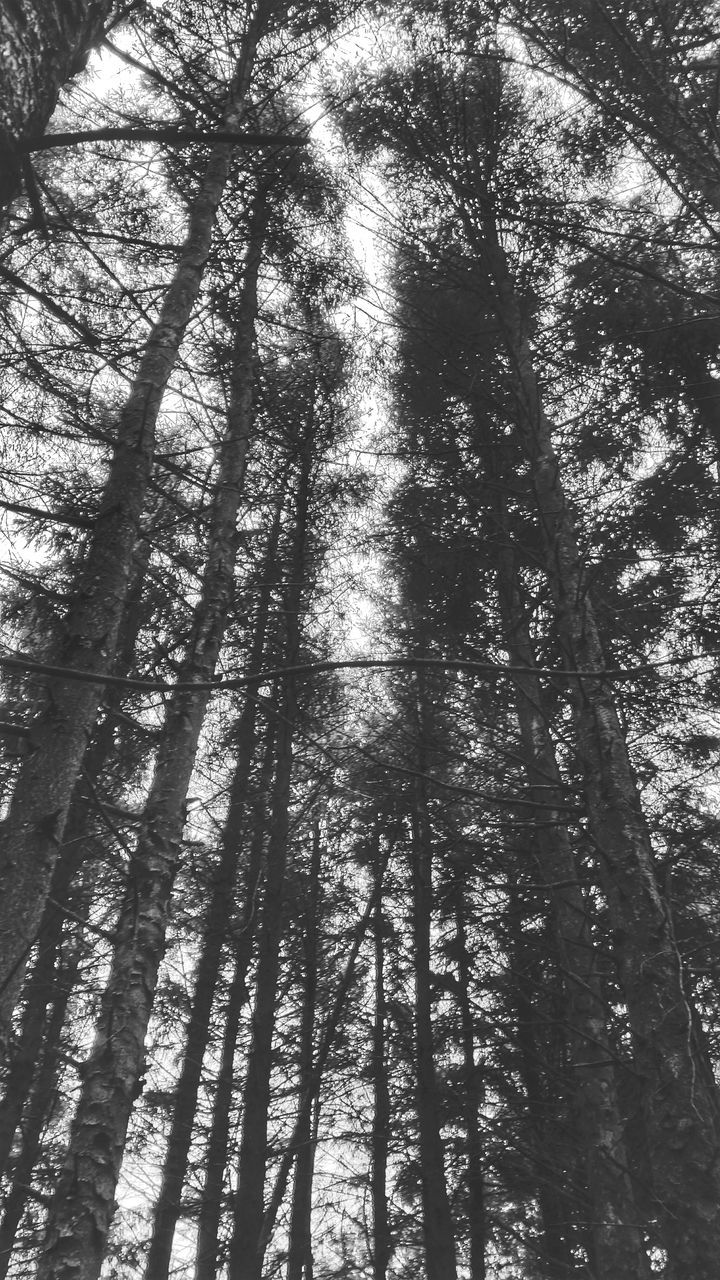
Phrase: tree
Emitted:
{"points": [[42, 793], [650, 73], [372, 828], [434, 138], [44, 45]]}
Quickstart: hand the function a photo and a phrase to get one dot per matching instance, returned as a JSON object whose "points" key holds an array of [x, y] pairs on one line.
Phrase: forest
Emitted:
{"points": [[360, 657]]}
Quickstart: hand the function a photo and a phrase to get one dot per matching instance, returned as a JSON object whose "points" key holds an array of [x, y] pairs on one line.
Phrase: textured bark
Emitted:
{"points": [[33, 1027], [299, 1262], [44, 43], [40, 1106], [36, 821], [40, 988], [300, 1254], [208, 1240], [617, 1240], [84, 1203], [246, 1253], [680, 1099], [438, 1234], [310, 1100], [221, 903], [245, 1258], [553, 1149], [472, 1097], [381, 1237]]}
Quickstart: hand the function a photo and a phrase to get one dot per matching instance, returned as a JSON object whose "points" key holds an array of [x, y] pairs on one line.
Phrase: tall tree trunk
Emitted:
{"points": [[246, 1255], [245, 1259], [44, 43], [36, 820], [472, 1095], [84, 1203], [438, 1231], [381, 1237], [299, 1263], [550, 1146], [218, 914], [310, 1100], [34, 1026], [618, 1247], [40, 988], [38, 1110], [680, 1099], [219, 1138]]}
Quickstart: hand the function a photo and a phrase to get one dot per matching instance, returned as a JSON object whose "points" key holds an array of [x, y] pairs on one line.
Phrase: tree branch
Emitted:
{"points": [[21, 662], [22, 509], [161, 133], [52, 306]]}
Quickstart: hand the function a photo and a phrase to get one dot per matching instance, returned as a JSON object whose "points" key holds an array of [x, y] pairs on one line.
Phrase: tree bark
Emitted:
{"points": [[33, 1027], [381, 1238], [84, 1203], [310, 1100], [551, 1146], [208, 1239], [472, 1096], [217, 918], [44, 43], [40, 988], [246, 1252], [680, 1099], [245, 1258], [438, 1230], [39, 1108], [299, 1263], [36, 821], [618, 1247]]}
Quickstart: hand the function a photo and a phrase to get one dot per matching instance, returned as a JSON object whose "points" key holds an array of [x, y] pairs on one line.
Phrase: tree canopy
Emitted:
{"points": [[359, 840]]}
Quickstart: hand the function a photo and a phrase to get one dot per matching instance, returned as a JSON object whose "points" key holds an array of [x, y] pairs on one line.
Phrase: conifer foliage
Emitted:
{"points": [[360, 713]]}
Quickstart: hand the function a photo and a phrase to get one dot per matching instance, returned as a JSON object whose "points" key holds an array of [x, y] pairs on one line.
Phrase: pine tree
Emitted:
{"points": [[44, 45]]}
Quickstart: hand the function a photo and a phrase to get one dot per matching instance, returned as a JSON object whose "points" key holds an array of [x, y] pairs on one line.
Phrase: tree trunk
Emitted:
{"points": [[679, 1098], [33, 1027], [84, 1203], [310, 1101], [299, 1262], [38, 1110], [618, 1248], [552, 1147], [36, 820], [44, 43], [246, 1254], [219, 1137], [218, 915], [437, 1222], [381, 1238], [245, 1260], [40, 987], [472, 1096]]}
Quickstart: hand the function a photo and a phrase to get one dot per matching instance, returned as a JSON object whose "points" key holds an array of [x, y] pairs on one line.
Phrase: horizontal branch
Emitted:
{"points": [[472, 792], [22, 509], [491, 670], [161, 133]]}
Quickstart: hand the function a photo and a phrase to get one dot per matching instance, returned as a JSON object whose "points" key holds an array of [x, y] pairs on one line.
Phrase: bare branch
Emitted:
{"points": [[169, 134]]}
